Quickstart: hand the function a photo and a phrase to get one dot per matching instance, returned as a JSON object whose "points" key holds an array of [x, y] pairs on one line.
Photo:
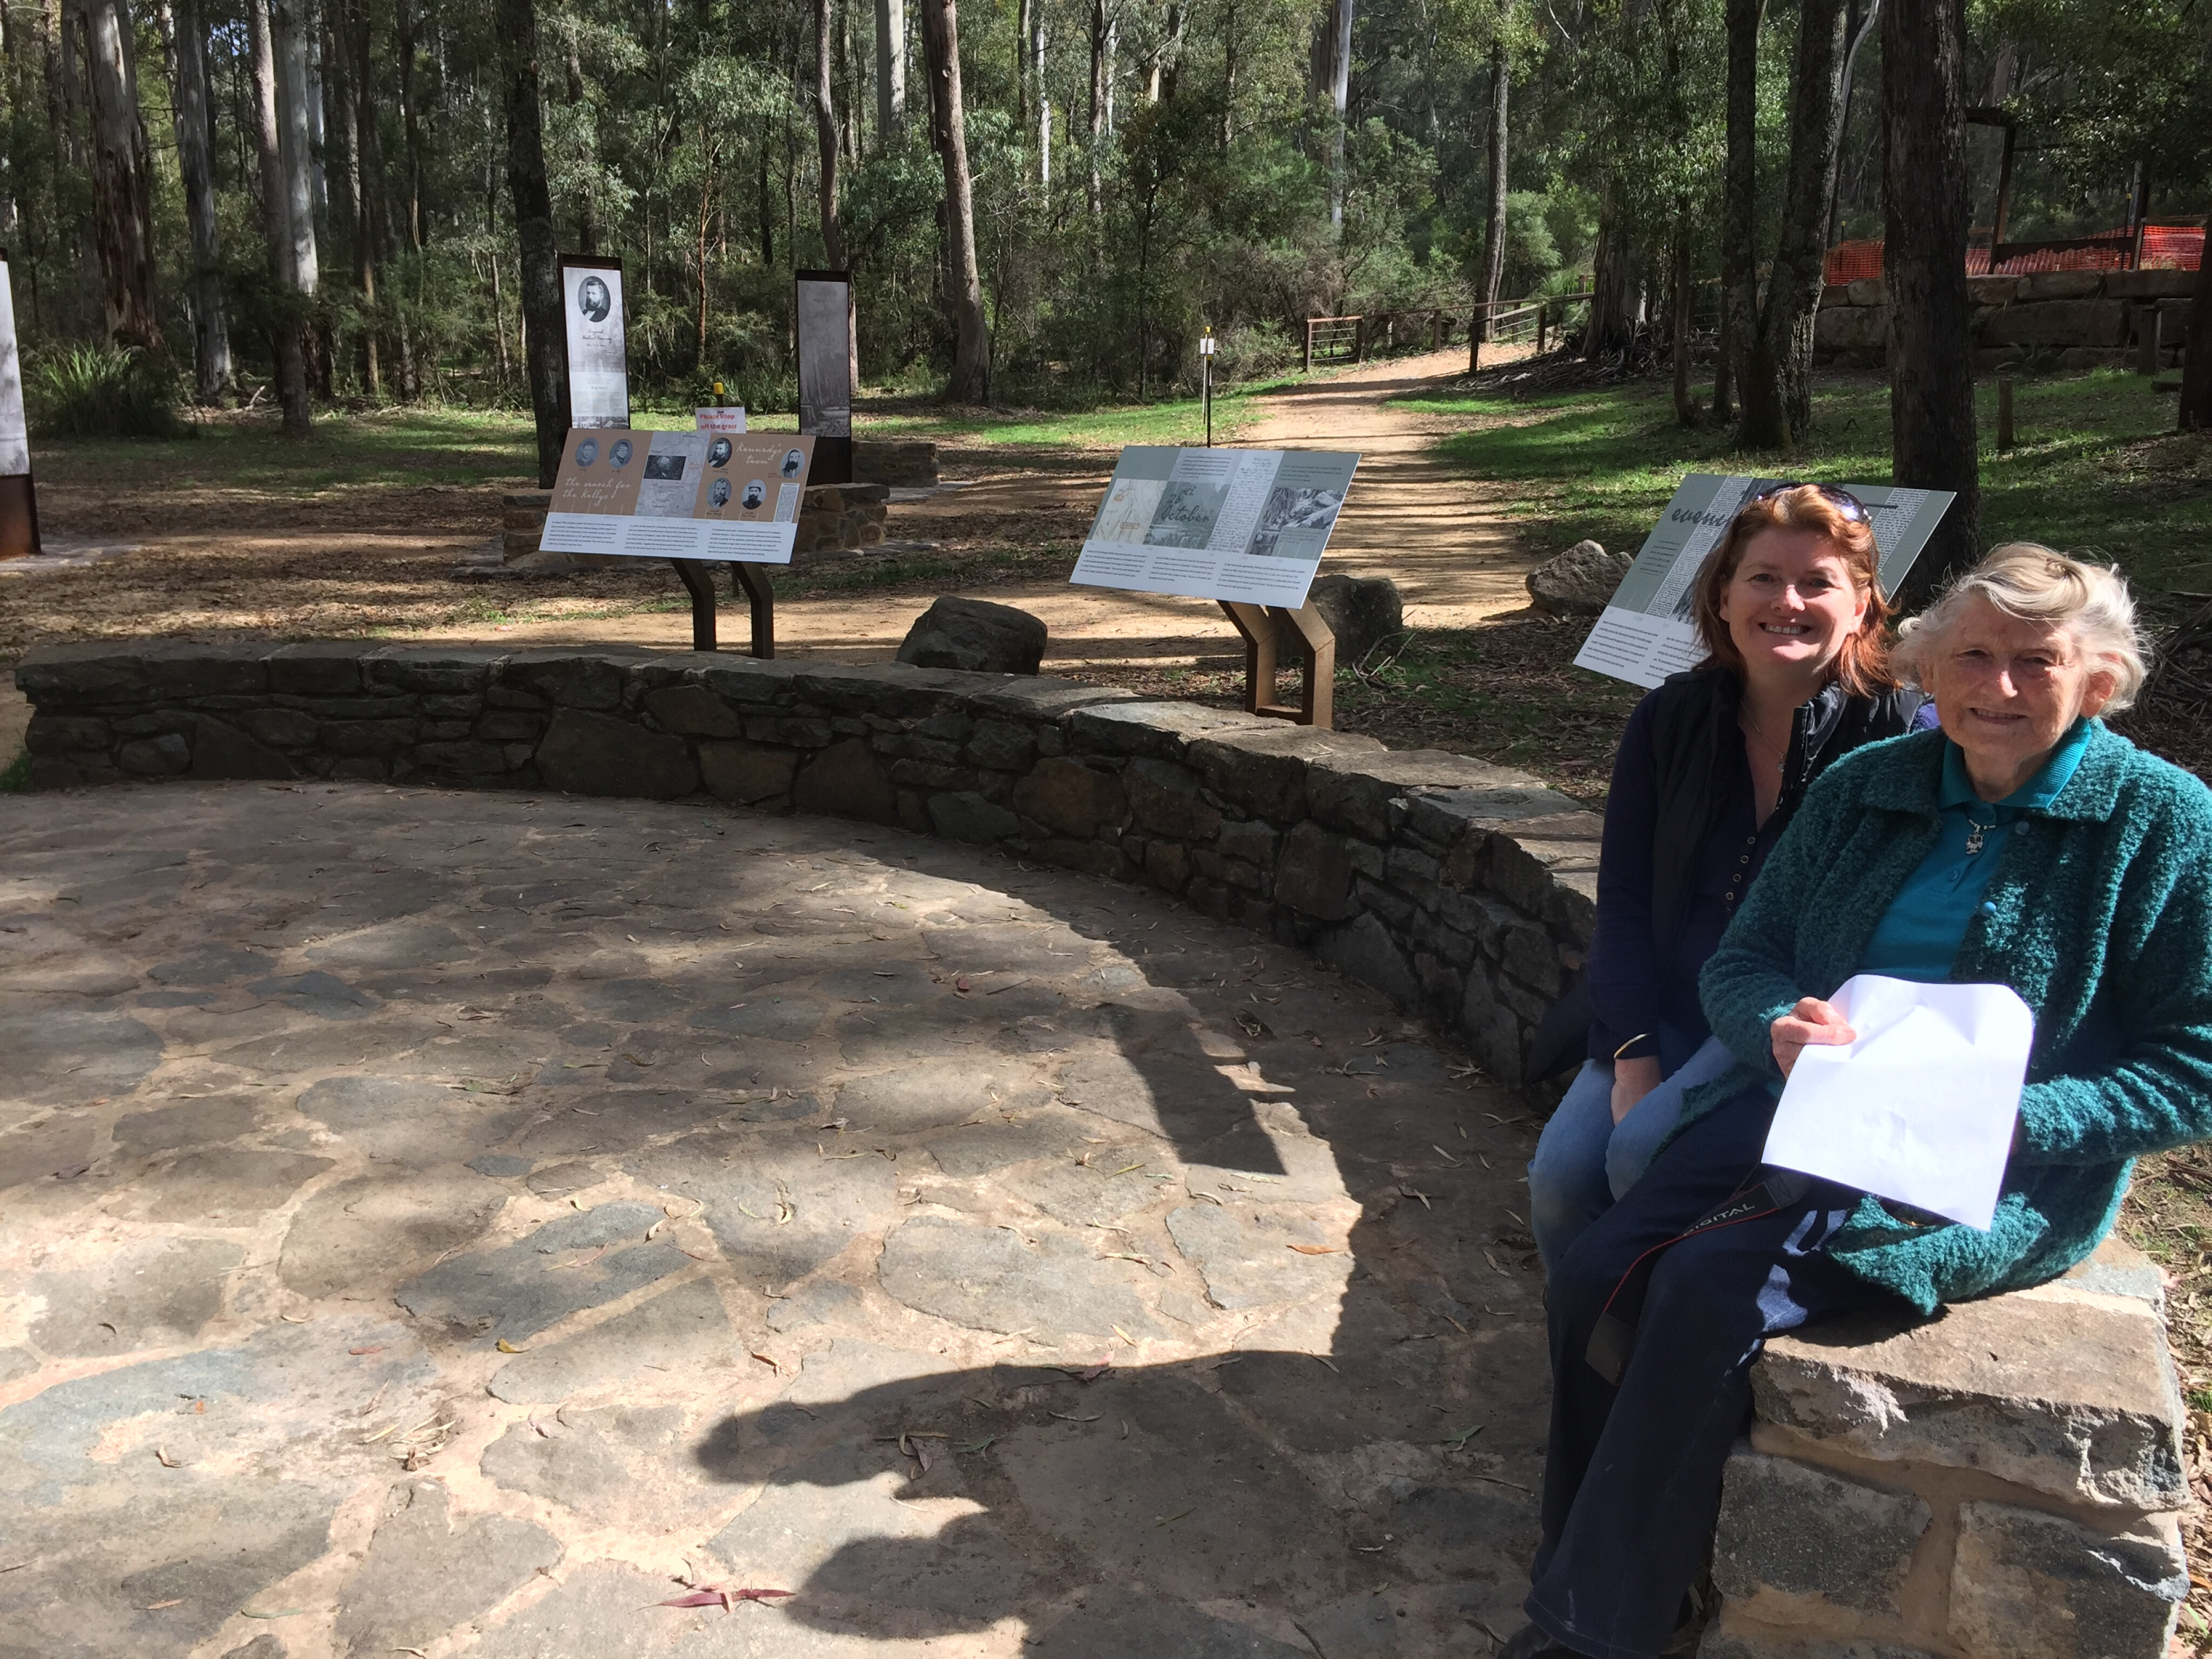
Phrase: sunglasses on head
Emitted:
{"points": [[1842, 499]]}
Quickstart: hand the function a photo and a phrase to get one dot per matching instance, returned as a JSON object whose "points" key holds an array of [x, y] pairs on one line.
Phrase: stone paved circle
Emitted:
{"points": [[456, 1224]]}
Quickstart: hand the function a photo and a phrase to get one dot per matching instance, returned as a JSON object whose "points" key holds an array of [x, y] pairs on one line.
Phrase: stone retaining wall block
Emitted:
{"points": [[746, 773], [845, 780], [1791, 1528], [1164, 797], [694, 711], [2031, 1586], [588, 753], [2054, 1390]]}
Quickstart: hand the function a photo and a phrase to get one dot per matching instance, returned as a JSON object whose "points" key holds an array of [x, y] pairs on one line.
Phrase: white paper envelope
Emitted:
{"points": [[1921, 1108]]}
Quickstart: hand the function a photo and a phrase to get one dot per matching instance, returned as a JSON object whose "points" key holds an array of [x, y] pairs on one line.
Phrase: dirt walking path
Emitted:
{"points": [[1441, 536]]}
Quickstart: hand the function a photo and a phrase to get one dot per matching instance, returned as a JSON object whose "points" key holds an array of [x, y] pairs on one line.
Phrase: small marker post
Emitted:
{"points": [[1205, 371]]}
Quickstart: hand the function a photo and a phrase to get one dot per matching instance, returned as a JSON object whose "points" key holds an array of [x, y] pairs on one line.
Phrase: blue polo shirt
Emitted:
{"points": [[1919, 934]]}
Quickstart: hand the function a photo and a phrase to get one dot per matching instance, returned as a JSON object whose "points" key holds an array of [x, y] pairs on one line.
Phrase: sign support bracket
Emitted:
{"points": [[750, 580], [1263, 628]]}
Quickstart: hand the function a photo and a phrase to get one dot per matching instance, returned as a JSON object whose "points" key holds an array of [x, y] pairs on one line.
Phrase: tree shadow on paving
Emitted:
{"points": [[1353, 1474]]}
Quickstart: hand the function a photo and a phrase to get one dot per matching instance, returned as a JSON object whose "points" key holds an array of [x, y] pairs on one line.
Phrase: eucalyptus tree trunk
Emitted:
{"points": [[1043, 96], [971, 351], [516, 24], [1097, 112], [287, 325], [368, 169], [1616, 286], [1931, 352], [825, 135], [1777, 385], [290, 23], [588, 218], [1340, 101], [1493, 235], [183, 42], [890, 70], [122, 201], [1740, 203]]}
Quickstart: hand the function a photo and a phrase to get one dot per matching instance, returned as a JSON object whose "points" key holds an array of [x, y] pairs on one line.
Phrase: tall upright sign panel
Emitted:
{"points": [[823, 310], [592, 337], [19, 503]]}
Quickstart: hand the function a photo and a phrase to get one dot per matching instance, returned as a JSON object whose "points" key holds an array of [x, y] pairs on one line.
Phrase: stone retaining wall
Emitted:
{"points": [[2000, 1482], [1460, 889], [2091, 319]]}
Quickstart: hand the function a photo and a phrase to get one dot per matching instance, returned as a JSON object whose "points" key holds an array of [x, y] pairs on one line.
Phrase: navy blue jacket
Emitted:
{"points": [[1683, 842]]}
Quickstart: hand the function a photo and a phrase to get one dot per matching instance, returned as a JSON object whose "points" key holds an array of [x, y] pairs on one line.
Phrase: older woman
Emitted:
{"points": [[2023, 844], [1710, 769]]}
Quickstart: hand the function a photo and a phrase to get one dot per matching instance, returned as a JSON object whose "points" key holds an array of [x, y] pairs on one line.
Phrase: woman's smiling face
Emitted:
{"points": [[1791, 604], [2008, 689]]}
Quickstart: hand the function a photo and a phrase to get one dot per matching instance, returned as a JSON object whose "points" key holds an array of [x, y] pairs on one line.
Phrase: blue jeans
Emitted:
{"points": [[1585, 1163]]}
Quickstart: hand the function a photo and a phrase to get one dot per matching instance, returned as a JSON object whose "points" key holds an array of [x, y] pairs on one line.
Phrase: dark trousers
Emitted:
{"points": [[1632, 1478]]}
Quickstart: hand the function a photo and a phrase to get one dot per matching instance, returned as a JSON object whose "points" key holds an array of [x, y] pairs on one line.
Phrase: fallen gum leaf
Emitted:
{"points": [[505, 1347]]}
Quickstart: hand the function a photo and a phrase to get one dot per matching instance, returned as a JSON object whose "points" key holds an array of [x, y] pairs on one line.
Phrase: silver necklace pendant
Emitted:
{"points": [[1974, 836]]}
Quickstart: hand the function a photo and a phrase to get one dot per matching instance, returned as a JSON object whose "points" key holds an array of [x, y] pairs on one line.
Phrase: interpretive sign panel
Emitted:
{"points": [[14, 434], [1246, 524], [19, 505], [679, 494], [1647, 632], [598, 355], [824, 331]]}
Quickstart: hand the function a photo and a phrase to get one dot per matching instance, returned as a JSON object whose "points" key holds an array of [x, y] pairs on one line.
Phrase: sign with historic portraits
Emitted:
{"points": [[731, 496]]}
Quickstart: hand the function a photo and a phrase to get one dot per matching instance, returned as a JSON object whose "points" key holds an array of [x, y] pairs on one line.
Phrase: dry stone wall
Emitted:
{"points": [[1462, 889], [2087, 318]]}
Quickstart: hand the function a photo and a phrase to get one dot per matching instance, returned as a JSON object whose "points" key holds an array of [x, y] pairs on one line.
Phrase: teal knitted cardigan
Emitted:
{"points": [[2099, 914]]}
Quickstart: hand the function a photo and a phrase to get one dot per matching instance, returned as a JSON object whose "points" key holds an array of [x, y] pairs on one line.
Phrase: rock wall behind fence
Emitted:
{"points": [[1462, 889], [2000, 1482], [2087, 318]]}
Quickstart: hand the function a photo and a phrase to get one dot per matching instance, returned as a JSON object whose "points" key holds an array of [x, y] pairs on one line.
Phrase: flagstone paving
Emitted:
{"points": [[456, 1224]]}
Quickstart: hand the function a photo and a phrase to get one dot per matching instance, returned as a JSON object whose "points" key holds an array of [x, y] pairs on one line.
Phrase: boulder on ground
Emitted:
{"points": [[975, 635], [1580, 582], [1361, 612]]}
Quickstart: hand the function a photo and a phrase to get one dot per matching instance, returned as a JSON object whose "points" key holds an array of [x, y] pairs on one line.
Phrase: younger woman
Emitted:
{"points": [[1711, 768]]}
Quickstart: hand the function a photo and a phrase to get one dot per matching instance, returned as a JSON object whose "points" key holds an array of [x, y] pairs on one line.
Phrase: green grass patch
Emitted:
{"points": [[16, 779], [2096, 466], [382, 448], [1177, 420]]}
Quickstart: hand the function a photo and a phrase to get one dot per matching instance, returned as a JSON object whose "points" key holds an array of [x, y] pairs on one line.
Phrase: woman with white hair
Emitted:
{"points": [[2024, 844]]}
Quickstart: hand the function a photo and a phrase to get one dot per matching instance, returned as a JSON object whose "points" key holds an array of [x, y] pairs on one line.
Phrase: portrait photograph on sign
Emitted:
{"points": [[599, 354]]}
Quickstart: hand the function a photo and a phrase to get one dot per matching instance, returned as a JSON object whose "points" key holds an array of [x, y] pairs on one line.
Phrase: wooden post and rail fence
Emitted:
{"points": [[1349, 339]]}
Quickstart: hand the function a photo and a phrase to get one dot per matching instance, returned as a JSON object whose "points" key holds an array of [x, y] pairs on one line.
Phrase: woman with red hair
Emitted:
{"points": [[1710, 769]]}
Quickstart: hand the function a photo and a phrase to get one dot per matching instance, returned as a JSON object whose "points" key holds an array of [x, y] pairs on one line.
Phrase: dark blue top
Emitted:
{"points": [[1637, 986], [1632, 990]]}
